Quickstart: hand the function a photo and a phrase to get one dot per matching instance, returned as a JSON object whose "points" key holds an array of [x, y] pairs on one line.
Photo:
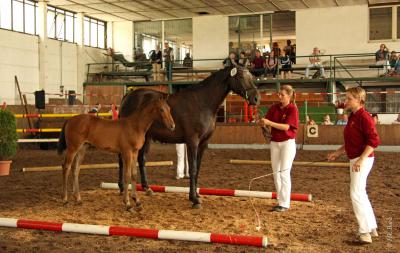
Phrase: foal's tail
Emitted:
{"points": [[62, 144]]}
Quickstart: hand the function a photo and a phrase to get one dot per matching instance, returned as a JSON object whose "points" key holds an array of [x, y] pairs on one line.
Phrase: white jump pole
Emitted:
{"points": [[258, 241], [295, 163], [211, 191]]}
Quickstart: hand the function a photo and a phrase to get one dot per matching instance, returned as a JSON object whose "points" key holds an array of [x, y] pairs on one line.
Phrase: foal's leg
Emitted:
{"points": [[69, 158], [75, 171], [142, 161], [133, 181], [127, 158]]}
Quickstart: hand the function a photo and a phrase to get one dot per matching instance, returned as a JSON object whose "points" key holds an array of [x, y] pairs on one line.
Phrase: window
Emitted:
{"points": [[18, 15], [60, 24], [380, 23], [94, 32]]}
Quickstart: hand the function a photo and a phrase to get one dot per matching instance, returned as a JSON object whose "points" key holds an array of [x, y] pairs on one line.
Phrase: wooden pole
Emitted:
{"points": [[93, 166], [23, 101], [295, 163]]}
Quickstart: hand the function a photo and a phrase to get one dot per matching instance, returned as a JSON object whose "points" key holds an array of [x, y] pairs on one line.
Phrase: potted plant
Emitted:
{"points": [[8, 140]]}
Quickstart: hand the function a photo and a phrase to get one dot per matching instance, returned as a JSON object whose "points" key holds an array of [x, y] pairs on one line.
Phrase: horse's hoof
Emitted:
{"points": [[138, 203], [65, 202], [79, 202], [129, 209], [149, 192], [139, 207], [196, 206]]}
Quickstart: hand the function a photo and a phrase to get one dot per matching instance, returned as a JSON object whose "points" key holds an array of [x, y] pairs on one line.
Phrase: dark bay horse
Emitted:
{"points": [[194, 110], [125, 136]]}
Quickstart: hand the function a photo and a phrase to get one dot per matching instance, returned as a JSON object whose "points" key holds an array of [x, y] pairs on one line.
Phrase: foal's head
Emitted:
{"points": [[164, 112], [241, 82]]}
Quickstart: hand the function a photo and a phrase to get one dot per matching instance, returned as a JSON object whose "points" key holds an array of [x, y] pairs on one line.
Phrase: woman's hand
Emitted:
{"points": [[264, 122], [357, 165]]}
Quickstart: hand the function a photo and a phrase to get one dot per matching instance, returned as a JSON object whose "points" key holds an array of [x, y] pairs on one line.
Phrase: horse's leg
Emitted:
{"points": [[200, 151], [142, 161], [127, 157], [192, 155], [69, 158], [121, 174], [75, 171], [134, 179]]}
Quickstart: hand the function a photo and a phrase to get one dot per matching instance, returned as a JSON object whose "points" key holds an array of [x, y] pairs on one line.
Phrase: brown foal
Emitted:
{"points": [[125, 136]]}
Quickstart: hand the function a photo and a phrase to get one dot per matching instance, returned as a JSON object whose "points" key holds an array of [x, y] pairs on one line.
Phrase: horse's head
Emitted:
{"points": [[241, 82], [164, 112]]}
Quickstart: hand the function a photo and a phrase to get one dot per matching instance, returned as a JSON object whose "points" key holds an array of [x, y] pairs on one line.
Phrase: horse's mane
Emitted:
{"points": [[220, 75]]}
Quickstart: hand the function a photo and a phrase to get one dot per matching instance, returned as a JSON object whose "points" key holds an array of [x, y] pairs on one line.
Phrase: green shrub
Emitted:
{"points": [[8, 135]]}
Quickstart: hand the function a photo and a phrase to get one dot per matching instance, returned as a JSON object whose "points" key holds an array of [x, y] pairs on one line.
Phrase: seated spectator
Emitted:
{"points": [[311, 122], [343, 118], [327, 121], [381, 57], [271, 64], [375, 118], [315, 62], [394, 63], [397, 121], [286, 71], [258, 65], [243, 60], [231, 60], [187, 61], [393, 59]]}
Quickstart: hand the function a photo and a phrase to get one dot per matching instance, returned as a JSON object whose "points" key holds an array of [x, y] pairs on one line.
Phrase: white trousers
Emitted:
{"points": [[282, 156], [182, 167], [315, 65], [361, 206]]}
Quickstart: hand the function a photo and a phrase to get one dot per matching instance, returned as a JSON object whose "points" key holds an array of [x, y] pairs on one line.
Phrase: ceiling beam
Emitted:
{"points": [[101, 11], [136, 13], [244, 6], [212, 7], [275, 5], [336, 2], [305, 4]]}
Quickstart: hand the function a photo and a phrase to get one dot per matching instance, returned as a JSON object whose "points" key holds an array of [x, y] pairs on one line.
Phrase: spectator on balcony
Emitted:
{"points": [[286, 62], [343, 118], [243, 60], [271, 64], [258, 65], [276, 49], [188, 61], [156, 61], [231, 60], [290, 51], [315, 62], [381, 57], [327, 121]]}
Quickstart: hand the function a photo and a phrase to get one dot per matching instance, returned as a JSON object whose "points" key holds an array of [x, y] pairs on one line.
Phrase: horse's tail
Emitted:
{"points": [[62, 144]]}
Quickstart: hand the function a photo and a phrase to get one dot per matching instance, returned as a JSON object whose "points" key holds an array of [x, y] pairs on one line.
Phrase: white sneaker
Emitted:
{"points": [[374, 233], [178, 177], [364, 238]]}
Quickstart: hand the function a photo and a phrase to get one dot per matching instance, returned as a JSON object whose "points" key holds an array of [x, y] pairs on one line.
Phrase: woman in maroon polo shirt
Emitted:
{"points": [[283, 119], [360, 140]]}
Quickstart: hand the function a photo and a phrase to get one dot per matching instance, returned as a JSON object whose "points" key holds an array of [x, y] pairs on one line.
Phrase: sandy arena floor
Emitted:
{"points": [[325, 225]]}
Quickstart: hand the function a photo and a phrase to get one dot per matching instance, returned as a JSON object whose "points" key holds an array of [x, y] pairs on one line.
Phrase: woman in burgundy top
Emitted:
{"points": [[360, 140], [283, 119]]}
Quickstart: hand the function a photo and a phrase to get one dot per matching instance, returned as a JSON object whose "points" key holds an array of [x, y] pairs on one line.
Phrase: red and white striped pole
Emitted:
{"points": [[258, 241], [211, 191]]}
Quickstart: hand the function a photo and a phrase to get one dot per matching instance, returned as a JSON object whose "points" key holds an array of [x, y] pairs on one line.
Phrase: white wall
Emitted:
{"points": [[19, 57], [210, 40], [123, 38], [337, 30]]}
